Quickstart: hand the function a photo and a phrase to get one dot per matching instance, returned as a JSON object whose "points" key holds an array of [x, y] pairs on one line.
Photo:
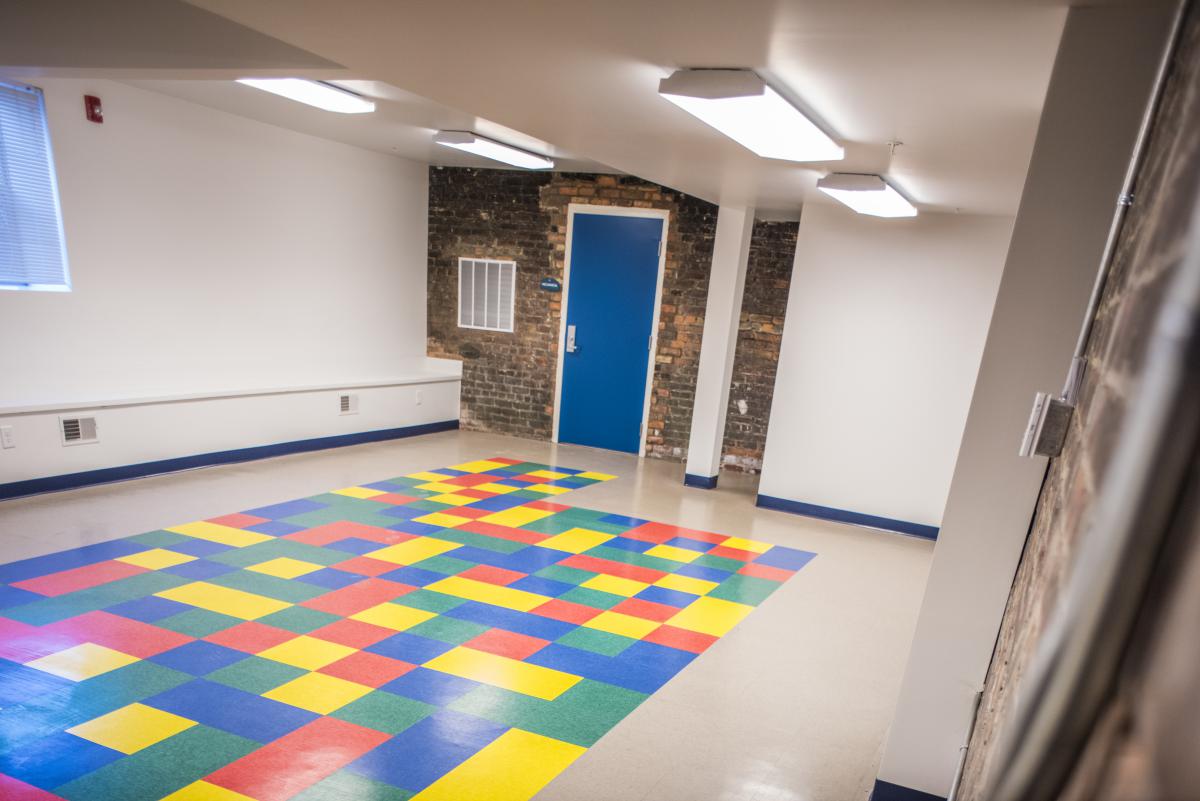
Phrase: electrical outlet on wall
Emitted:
{"points": [[6, 437], [420, 397]]}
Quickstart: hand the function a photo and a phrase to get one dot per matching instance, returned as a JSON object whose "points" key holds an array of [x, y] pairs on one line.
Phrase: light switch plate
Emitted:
{"points": [[6, 437]]}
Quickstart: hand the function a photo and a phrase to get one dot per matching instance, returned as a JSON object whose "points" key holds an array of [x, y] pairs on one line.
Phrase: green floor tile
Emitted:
{"points": [[276, 549], [599, 642], [745, 589], [384, 712], [445, 564], [430, 601], [159, 539], [255, 674], [198, 622], [581, 715], [719, 562], [347, 786], [592, 598], [567, 575], [634, 558], [298, 619], [478, 540], [270, 586], [161, 769], [448, 629]]}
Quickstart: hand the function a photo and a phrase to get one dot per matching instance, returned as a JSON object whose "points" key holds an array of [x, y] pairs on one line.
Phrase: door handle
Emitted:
{"points": [[571, 347]]}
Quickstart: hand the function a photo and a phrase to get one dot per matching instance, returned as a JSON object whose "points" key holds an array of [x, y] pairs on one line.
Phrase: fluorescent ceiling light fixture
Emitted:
{"points": [[867, 194], [314, 93], [491, 149], [740, 105]]}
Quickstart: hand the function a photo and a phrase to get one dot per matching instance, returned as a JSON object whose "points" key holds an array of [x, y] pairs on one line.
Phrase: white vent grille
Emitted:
{"points": [[78, 430], [348, 404], [486, 294]]}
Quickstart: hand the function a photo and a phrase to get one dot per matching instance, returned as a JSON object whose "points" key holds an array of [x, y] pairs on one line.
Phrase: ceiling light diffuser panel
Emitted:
{"points": [[313, 93], [741, 105], [867, 194], [491, 149]]}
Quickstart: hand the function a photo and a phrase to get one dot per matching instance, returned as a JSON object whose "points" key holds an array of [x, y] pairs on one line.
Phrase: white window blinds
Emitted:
{"points": [[32, 252], [486, 293]]}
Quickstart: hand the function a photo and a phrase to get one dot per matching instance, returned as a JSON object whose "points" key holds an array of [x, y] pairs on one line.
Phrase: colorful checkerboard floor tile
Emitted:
{"points": [[448, 635]]}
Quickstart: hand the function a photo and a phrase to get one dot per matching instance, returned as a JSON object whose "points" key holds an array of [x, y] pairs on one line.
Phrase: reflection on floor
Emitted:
{"points": [[449, 635]]}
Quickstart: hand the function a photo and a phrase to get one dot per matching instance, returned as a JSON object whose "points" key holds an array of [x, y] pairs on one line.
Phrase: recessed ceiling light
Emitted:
{"points": [[739, 104], [314, 93], [491, 149], [866, 194]]}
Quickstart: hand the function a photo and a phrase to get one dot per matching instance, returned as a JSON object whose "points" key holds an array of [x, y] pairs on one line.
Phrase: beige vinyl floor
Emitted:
{"points": [[793, 704]]}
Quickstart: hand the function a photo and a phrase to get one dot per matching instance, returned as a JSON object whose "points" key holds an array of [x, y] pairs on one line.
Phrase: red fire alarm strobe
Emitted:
{"points": [[91, 107]]}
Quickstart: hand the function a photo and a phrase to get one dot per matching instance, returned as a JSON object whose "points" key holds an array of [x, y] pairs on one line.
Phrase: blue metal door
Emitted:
{"points": [[610, 311]]}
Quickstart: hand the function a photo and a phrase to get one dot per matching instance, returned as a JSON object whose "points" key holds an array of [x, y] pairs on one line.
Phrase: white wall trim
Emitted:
{"points": [[619, 211]]}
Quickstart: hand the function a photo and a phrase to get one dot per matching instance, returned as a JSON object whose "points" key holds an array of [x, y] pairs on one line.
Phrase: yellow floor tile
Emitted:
{"points": [[203, 791], [516, 517], [442, 519], [224, 535], [285, 567], [451, 499], [625, 625], [224, 600], [411, 551], [500, 671], [551, 474], [710, 616], [393, 616], [480, 466], [499, 489], [82, 661], [427, 476], [615, 584], [318, 693], [132, 728], [686, 584], [486, 593], [747, 545], [548, 489], [673, 553], [307, 652], [595, 476], [575, 540], [156, 559], [358, 492], [513, 767], [438, 486]]}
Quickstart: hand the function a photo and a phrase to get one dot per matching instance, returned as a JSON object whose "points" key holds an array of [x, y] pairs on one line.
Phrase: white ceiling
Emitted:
{"points": [[959, 82]]}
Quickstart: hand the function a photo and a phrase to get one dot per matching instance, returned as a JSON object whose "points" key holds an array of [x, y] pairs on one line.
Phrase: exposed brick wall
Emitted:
{"points": [[508, 379], [760, 330], [1149, 250]]}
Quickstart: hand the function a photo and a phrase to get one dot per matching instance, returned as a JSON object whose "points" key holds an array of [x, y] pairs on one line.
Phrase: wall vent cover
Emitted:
{"points": [[78, 430], [486, 294], [348, 404]]}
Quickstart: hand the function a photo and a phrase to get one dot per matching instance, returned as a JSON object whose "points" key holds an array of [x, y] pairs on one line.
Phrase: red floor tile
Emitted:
{"points": [[507, 643], [79, 578]]}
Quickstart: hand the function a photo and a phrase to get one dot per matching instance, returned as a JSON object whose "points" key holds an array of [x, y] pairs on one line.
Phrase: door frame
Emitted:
{"points": [[652, 346]]}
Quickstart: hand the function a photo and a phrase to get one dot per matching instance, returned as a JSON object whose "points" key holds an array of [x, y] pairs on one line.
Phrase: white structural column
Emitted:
{"points": [[1099, 87], [723, 310]]}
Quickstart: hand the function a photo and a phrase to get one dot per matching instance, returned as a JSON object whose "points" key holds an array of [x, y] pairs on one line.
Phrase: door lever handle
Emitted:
{"points": [[571, 346]]}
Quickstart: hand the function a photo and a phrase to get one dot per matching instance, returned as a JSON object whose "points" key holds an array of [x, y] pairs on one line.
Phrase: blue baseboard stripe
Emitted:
{"points": [[703, 482], [843, 516], [107, 475], [886, 791]]}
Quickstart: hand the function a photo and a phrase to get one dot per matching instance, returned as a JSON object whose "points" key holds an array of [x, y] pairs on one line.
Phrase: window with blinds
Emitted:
{"points": [[486, 293], [32, 251]]}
